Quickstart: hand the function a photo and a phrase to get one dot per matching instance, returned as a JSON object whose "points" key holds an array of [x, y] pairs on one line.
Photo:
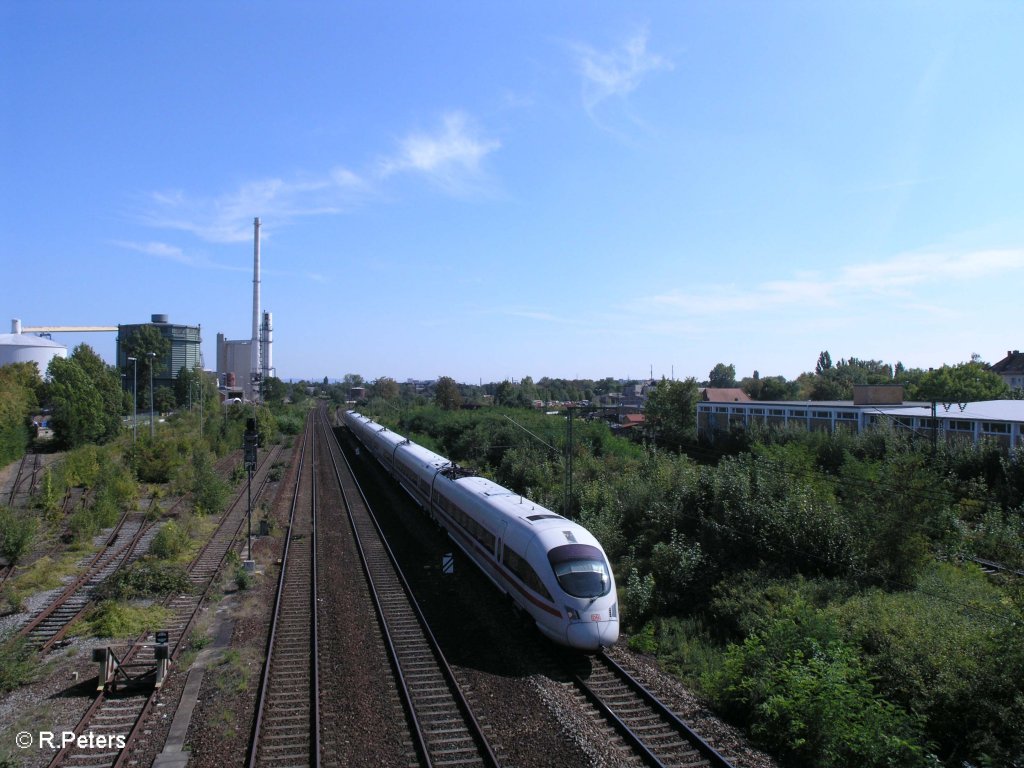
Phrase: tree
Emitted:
{"points": [[505, 394], [385, 388], [446, 393], [274, 390], [528, 389], [107, 381], [961, 383], [145, 340], [824, 362], [86, 396], [722, 376], [19, 387], [188, 386], [164, 400], [77, 405], [671, 412]]}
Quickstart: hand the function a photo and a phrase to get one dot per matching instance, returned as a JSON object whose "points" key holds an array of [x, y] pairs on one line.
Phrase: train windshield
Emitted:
{"points": [[581, 570]]}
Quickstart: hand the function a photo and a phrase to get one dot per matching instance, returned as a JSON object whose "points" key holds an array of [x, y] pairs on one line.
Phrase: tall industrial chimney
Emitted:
{"points": [[255, 350], [267, 342]]}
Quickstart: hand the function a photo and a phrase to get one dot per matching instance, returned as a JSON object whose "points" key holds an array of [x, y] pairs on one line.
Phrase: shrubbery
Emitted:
{"points": [[803, 692], [17, 532], [115, 619], [145, 578], [798, 578], [18, 664], [170, 542]]}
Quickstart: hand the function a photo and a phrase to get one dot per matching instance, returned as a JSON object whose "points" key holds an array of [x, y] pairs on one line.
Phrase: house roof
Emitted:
{"points": [[1012, 363], [724, 395]]}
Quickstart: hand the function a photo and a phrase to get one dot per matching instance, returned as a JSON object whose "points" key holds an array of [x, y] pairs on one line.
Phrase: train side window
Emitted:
{"points": [[525, 573]]}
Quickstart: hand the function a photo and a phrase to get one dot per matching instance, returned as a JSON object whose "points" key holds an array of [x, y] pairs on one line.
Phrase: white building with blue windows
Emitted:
{"points": [[999, 420]]}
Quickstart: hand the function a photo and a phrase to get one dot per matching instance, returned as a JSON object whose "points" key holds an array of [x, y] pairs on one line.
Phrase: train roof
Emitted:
{"points": [[544, 523], [425, 456], [537, 520]]}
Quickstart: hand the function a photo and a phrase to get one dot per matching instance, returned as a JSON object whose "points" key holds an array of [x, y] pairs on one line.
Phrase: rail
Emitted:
{"points": [[439, 734]]}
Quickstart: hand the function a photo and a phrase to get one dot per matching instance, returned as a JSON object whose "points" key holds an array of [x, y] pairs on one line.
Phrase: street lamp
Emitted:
{"points": [[135, 398], [152, 361]]}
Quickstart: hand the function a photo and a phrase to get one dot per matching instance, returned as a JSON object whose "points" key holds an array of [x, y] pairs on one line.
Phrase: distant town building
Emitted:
{"points": [[1001, 421], [635, 394], [724, 395], [185, 349], [1011, 368]]}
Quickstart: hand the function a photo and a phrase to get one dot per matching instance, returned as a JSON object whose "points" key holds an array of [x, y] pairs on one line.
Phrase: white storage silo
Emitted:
{"points": [[26, 348]]}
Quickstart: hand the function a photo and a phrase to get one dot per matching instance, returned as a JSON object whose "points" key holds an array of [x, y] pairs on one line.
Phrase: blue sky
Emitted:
{"points": [[490, 191]]}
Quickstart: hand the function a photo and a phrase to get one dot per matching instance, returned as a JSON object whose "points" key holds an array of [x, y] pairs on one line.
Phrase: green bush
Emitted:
{"points": [[115, 619], [951, 651], [803, 693], [145, 578], [18, 664], [51, 491], [82, 466], [17, 533], [171, 541], [684, 647], [209, 491], [157, 460]]}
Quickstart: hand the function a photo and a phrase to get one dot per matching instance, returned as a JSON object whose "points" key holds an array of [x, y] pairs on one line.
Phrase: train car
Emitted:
{"points": [[552, 568]]}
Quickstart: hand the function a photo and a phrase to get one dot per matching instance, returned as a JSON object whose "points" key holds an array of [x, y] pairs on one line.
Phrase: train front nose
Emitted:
{"points": [[592, 635]]}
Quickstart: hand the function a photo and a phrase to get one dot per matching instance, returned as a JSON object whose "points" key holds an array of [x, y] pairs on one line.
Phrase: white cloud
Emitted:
{"points": [[228, 217], [532, 314], [451, 157], [916, 268], [852, 288], [173, 253], [616, 73]]}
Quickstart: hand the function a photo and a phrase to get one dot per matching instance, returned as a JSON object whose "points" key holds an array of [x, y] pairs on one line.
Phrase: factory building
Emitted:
{"points": [[243, 364], [185, 351], [233, 361]]}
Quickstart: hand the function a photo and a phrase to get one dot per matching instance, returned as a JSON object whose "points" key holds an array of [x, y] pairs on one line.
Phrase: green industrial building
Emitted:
{"points": [[185, 351]]}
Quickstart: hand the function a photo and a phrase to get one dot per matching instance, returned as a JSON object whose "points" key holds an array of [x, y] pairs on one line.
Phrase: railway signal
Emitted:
{"points": [[250, 442]]}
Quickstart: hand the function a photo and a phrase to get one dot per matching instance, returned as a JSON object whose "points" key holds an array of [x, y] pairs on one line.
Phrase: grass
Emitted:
{"points": [[30, 720], [44, 574], [233, 673], [683, 646], [18, 664], [119, 620]]}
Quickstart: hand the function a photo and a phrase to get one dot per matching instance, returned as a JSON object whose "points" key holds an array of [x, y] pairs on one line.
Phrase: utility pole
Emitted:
{"points": [[568, 465], [152, 362], [135, 398]]}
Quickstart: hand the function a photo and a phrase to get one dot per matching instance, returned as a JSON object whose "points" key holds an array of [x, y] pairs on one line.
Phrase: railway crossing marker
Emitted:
{"points": [[447, 563]]}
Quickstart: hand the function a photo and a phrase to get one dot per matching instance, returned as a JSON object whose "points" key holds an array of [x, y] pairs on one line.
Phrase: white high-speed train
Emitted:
{"points": [[553, 568]]}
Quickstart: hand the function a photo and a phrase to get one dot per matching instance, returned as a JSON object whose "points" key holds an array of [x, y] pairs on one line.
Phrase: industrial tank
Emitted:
{"points": [[26, 348]]}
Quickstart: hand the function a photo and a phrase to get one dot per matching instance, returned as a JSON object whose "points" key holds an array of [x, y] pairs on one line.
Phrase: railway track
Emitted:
{"points": [[128, 540], [652, 731], [25, 480], [444, 728], [118, 717], [288, 719]]}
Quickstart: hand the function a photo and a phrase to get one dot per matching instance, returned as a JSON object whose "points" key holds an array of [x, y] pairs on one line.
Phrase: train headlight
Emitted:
{"points": [[573, 614], [613, 612]]}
